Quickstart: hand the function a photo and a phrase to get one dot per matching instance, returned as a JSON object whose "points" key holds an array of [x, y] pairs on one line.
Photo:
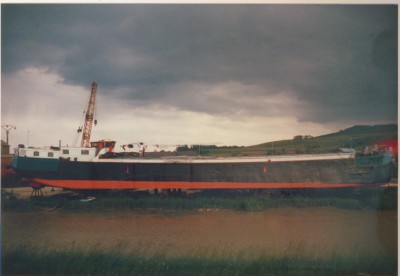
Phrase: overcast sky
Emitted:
{"points": [[187, 74]]}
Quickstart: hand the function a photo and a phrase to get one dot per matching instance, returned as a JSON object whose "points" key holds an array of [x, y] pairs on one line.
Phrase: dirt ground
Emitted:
{"points": [[276, 231]]}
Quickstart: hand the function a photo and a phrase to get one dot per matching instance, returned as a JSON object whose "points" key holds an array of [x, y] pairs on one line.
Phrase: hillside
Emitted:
{"points": [[365, 129], [357, 137]]}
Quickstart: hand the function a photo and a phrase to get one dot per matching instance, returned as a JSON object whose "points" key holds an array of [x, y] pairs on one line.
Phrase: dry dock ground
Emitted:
{"points": [[280, 231]]}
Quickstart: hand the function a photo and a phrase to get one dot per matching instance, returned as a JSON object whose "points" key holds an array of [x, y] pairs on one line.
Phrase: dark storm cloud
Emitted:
{"points": [[339, 61]]}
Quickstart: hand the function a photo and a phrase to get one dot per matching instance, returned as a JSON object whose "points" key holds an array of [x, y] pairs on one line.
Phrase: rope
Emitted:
{"points": [[80, 124]]}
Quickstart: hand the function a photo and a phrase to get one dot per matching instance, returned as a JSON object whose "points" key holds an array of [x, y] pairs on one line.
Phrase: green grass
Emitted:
{"points": [[357, 137], [25, 261], [380, 198]]}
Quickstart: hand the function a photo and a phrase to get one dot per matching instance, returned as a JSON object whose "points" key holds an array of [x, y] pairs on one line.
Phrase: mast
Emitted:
{"points": [[87, 128]]}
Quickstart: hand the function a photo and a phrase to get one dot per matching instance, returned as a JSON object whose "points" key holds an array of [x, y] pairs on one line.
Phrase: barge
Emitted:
{"points": [[100, 167]]}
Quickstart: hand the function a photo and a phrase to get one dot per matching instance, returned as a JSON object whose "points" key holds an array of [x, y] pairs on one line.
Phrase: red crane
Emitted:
{"points": [[89, 116]]}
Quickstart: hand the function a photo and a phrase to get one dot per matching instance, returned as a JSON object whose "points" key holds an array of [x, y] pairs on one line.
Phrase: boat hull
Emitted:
{"points": [[133, 185], [137, 174]]}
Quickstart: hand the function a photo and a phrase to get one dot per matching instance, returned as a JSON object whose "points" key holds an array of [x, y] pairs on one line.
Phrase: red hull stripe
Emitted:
{"points": [[118, 185]]}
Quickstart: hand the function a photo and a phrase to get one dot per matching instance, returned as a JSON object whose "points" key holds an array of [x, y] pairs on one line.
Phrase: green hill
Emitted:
{"points": [[357, 137], [366, 129]]}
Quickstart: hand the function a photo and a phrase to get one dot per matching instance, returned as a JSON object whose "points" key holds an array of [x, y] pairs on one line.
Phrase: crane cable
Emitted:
{"points": [[95, 112], [80, 124]]}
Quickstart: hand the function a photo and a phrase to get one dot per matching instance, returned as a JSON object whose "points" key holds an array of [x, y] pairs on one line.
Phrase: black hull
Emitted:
{"points": [[137, 175]]}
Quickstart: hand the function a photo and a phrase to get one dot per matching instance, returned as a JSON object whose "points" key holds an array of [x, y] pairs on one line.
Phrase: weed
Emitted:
{"points": [[373, 198], [94, 262]]}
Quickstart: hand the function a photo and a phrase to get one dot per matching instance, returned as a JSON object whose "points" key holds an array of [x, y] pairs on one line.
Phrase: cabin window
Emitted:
{"points": [[85, 152], [65, 151], [35, 153], [50, 154]]}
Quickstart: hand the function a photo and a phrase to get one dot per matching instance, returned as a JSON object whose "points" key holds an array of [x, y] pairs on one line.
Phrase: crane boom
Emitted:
{"points": [[87, 128]]}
